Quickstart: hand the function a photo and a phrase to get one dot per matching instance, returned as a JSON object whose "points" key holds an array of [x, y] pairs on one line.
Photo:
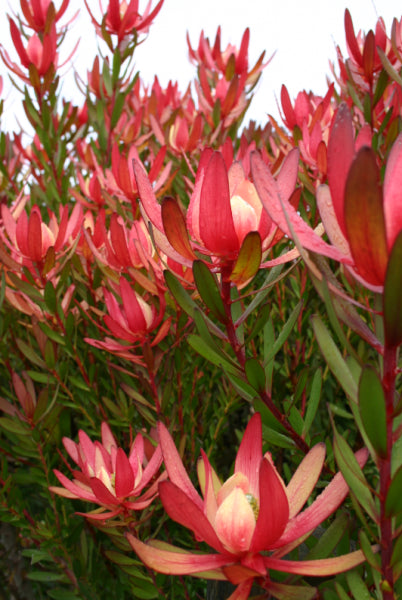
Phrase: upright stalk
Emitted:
{"points": [[388, 383]]}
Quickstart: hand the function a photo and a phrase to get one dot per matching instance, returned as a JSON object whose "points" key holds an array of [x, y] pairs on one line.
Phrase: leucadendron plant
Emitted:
{"points": [[213, 292]]}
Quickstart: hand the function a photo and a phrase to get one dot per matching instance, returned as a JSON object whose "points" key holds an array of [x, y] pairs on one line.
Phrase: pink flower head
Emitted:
{"points": [[29, 239], [224, 209], [133, 321], [228, 62], [361, 217], [251, 521], [108, 477], [122, 18], [40, 53], [36, 12]]}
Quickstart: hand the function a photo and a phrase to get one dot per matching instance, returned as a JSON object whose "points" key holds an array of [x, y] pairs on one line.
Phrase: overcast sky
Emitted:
{"points": [[303, 33]]}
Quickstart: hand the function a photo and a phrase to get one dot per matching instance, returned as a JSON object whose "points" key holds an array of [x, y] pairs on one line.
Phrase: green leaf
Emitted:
{"points": [[357, 586], [283, 591], [393, 502], [36, 555], [62, 594], [334, 358], [145, 593], [373, 559], [277, 439], [342, 595], [284, 334], [16, 427], [314, 401], [53, 335], [388, 67], [30, 354], [373, 410], [353, 475], [116, 66], [50, 297], [328, 541], [120, 559], [393, 295], [242, 387], [178, 292], [396, 558], [44, 576], [255, 374], [214, 355], [207, 287]]}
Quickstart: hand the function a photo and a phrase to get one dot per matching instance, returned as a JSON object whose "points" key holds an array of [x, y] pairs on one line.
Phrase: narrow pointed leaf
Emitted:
{"points": [[284, 334], [364, 218], [331, 537], [175, 563], [208, 289], [255, 374], [357, 586], [393, 295], [50, 297], [249, 259], [182, 297], [393, 503], [314, 400], [317, 568], [282, 591], [212, 354], [353, 475], [334, 358], [373, 410], [175, 228]]}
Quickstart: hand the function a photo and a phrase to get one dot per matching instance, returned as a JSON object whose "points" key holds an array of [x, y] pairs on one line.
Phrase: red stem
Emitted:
{"points": [[388, 382], [239, 350]]}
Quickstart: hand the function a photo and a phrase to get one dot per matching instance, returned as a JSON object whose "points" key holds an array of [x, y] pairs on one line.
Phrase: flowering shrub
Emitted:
{"points": [[196, 285]]}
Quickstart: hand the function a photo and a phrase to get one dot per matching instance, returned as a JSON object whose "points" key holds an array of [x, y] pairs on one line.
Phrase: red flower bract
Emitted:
{"points": [[109, 477], [252, 513]]}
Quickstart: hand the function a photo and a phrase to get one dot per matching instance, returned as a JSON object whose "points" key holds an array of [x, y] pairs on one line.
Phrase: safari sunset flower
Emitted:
{"points": [[360, 214], [108, 477], [251, 520], [224, 210]]}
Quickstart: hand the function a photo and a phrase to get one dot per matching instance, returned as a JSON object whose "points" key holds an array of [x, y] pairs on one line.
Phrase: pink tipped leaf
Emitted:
{"points": [[175, 563], [393, 192], [174, 466], [148, 200], [322, 567], [322, 507], [283, 213], [304, 479], [341, 150]]}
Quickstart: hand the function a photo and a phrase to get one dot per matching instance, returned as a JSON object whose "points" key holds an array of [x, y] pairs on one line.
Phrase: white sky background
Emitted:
{"points": [[302, 32]]}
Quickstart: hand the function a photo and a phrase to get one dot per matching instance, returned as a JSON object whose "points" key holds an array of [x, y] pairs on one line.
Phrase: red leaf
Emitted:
{"points": [[175, 228], [364, 218]]}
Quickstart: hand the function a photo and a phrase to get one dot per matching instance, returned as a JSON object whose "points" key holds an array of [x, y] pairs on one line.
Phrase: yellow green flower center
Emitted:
{"points": [[254, 504]]}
